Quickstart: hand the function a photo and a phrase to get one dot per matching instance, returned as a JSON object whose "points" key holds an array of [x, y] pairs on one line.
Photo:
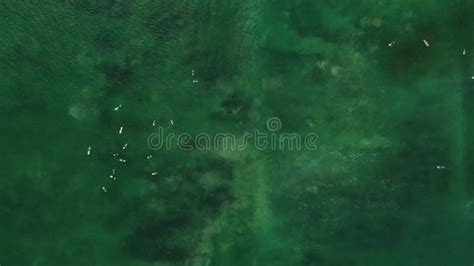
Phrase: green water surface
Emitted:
{"points": [[390, 183]]}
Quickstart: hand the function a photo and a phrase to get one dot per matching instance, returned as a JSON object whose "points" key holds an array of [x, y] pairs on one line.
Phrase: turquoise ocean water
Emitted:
{"points": [[387, 86]]}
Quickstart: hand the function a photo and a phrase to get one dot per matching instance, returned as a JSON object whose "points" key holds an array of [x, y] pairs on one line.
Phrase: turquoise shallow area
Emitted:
{"points": [[390, 183]]}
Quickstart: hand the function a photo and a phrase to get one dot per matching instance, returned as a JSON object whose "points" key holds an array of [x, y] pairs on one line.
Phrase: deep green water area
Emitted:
{"points": [[387, 86]]}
